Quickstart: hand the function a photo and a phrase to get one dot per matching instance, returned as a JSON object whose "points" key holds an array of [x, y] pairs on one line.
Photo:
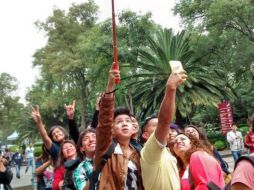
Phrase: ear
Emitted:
{"points": [[145, 135]]}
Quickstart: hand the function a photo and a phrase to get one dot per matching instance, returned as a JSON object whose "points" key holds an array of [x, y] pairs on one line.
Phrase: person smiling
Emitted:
{"points": [[193, 158], [69, 159], [52, 140]]}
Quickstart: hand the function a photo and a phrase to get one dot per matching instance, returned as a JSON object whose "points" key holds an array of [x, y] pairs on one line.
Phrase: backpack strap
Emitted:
{"points": [[248, 158], [93, 178]]}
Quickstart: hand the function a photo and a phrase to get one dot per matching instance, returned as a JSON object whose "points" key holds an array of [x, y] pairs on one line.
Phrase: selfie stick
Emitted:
{"points": [[115, 63]]}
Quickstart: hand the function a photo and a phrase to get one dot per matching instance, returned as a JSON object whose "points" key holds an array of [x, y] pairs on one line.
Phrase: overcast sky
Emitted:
{"points": [[19, 38]]}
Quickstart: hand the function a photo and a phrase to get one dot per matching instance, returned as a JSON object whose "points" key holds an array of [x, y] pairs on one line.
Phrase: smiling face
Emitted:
{"points": [[135, 125], [58, 135], [88, 143], [69, 151], [182, 144], [172, 135], [123, 128], [192, 131]]}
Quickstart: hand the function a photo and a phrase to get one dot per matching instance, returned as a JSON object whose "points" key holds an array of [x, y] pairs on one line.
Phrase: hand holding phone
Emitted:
{"points": [[176, 66]]}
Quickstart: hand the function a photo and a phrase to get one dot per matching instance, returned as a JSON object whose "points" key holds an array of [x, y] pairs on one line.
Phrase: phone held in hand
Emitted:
{"points": [[176, 66]]}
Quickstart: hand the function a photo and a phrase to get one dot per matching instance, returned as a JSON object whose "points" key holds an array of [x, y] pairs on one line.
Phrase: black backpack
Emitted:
{"points": [[93, 178], [213, 186]]}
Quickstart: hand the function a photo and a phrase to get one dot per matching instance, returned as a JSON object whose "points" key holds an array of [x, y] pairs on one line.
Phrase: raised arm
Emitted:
{"points": [[106, 116], [41, 168], [167, 107], [43, 133], [73, 128], [96, 113]]}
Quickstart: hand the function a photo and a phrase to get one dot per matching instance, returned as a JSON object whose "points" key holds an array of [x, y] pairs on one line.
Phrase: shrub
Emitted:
{"points": [[214, 136], [220, 145], [13, 148], [37, 151]]}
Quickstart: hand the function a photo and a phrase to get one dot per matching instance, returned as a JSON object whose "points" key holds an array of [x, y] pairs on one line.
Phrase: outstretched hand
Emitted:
{"points": [[176, 79], [36, 115], [98, 102], [70, 109], [114, 75]]}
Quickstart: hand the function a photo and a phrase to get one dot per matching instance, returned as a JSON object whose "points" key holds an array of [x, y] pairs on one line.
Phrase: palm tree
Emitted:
{"points": [[204, 86]]}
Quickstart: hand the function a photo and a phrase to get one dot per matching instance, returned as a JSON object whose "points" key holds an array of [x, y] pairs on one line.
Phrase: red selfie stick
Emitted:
{"points": [[115, 64]]}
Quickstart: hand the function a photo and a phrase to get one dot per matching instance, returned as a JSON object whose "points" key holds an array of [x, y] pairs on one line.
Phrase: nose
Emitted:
{"points": [[125, 122]]}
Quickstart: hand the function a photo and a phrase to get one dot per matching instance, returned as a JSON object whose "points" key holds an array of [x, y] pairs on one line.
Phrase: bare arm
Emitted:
{"points": [[43, 133], [167, 108], [42, 168]]}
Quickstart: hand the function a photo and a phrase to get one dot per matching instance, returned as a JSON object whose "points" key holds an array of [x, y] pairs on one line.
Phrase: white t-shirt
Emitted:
{"points": [[29, 152]]}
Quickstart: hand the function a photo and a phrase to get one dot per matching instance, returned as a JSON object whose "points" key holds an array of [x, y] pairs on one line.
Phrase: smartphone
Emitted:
{"points": [[176, 66]]}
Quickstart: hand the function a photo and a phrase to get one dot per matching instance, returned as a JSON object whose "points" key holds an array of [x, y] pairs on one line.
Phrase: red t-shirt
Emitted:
{"points": [[205, 168], [184, 179], [58, 177], [249, 141]]}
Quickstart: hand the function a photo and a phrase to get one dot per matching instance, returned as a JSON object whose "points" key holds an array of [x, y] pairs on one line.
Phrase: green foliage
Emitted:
{"points": [[37, 151], [10, 107], [220, 145], [243, 129], [224, 37], [13, 148], [214, 136], [203, 87]]}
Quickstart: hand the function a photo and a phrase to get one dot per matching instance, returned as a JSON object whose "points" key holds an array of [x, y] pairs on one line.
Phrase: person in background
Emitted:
{"points": [[135, 141], [29, 153], [44, 170], [149, 126], [8, 155], [17, 159], [235, 140], [5, 174], [173, 132], [249, 138]]}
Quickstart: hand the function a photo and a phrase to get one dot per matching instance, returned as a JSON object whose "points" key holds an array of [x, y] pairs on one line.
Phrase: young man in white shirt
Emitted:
{"points": [[235, 140]]}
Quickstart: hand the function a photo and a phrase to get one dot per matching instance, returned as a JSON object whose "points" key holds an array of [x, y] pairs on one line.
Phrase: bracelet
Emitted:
{"points": [[111, 91]]}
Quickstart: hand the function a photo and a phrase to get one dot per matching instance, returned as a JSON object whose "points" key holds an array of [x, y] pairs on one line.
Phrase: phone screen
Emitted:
{"points": [[176, 66]]}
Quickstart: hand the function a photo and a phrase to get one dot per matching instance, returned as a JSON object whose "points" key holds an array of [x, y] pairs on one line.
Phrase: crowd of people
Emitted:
{"points": [[116, 153]]}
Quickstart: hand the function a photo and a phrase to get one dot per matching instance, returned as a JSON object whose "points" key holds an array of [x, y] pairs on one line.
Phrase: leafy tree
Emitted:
{"points": [[224, 38], [9, 104], [63, 59], [203, 87]]}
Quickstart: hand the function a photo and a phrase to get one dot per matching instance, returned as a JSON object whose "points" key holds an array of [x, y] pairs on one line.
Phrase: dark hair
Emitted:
{"points": [[61, 159], [121, 111], [66, 135], [154, 115], [44, 154], [174, 126], [81, 136], [202, 137], [234, 123]]}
